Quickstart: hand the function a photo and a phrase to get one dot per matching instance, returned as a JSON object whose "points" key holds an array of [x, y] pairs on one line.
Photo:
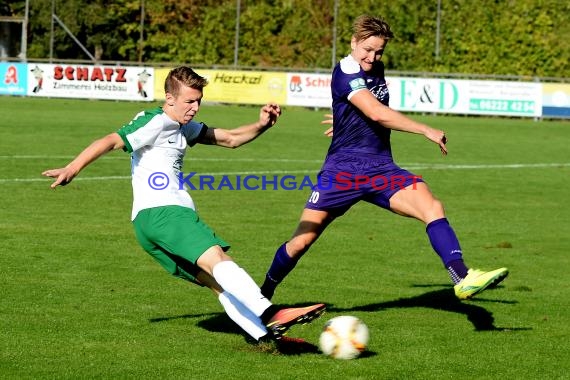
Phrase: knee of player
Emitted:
{"points": [[212, 257], [437, 207]]}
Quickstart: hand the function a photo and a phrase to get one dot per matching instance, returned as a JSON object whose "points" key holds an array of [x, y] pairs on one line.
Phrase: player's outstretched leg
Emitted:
{"points": [[476, 281], [236, 282]]}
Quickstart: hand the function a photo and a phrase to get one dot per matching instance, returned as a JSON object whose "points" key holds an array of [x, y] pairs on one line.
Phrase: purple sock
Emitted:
{"points": [[445, 243], [280, 267], [457, 271]]}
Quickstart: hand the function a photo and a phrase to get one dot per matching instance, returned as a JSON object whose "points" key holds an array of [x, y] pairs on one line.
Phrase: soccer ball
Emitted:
{"points": [[344, 337]]}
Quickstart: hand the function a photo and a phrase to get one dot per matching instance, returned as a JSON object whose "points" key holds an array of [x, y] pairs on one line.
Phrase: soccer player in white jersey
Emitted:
{"points": [[165, 221]]}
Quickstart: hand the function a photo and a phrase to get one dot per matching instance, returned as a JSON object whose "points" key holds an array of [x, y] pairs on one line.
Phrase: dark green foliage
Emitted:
{"points": [[501, 37]]}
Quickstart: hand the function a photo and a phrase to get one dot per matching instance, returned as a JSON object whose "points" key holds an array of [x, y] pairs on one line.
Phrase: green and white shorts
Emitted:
{"points": [[175, 237]]}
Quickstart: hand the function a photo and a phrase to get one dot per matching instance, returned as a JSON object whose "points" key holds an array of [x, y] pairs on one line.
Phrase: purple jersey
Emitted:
{"points": [[355, 134], [359, 164]]}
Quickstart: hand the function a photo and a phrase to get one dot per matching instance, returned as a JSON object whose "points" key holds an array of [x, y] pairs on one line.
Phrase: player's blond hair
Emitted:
{"points": [[183, 76], [366, 26]]}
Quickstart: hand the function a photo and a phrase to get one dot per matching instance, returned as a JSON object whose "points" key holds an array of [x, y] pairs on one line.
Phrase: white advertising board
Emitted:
{"points": [[465, 96], [309, 90], [91, 82]]}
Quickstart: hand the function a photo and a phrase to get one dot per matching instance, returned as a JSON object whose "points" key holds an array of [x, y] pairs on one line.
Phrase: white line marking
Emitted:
{"points": [[406, 166], [483, 166], [314, 172], [190, 158]]}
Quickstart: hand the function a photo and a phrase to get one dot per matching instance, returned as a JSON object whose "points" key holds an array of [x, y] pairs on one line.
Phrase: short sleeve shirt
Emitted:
{"points": [[157, 145]]}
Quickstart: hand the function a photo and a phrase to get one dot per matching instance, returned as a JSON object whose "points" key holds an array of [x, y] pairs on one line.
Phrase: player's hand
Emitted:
{"points": [[328, 120], [62, 176], [439, 138], [269, 114]]}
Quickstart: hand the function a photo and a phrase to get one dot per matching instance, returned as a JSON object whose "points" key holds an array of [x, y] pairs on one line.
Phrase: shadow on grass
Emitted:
{"points": [[221, 323], [443, 299], [183, 316]]}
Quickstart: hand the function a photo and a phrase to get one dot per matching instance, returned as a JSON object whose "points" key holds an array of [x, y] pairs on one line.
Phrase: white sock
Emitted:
{"points": [[241, 315], [238, 283]]}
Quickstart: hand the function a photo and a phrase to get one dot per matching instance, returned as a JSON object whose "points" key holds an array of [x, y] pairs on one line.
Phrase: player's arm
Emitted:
{"points": [[390, 118], [233, 138], [97, 148]]}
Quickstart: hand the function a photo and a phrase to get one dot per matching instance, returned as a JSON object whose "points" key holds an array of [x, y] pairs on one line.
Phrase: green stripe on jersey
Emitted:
{"points": [[140, 120]]}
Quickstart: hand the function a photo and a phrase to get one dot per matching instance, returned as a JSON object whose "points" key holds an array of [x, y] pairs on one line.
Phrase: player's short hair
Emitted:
{"points": [[183, 76], [366, 26]]}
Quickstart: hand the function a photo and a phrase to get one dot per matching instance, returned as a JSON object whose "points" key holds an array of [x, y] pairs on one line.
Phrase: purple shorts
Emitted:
{"points": [[343, 182]]}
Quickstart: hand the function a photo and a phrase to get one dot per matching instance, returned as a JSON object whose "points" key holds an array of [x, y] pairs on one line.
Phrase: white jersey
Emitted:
{"points": [[157, 145]]}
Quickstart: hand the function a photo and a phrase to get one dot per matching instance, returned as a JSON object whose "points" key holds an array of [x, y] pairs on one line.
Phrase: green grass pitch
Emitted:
{"points": [[80, 298]]}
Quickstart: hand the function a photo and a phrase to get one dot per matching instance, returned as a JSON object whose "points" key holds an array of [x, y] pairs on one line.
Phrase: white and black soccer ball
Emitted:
{"points": [[344, 337]]}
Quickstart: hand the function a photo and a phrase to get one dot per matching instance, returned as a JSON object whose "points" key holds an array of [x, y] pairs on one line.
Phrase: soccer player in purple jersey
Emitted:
{"points": [[359, 166]]}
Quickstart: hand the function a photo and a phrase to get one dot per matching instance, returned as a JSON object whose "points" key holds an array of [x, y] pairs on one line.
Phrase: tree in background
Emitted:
{"points": [[506, 37]]}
